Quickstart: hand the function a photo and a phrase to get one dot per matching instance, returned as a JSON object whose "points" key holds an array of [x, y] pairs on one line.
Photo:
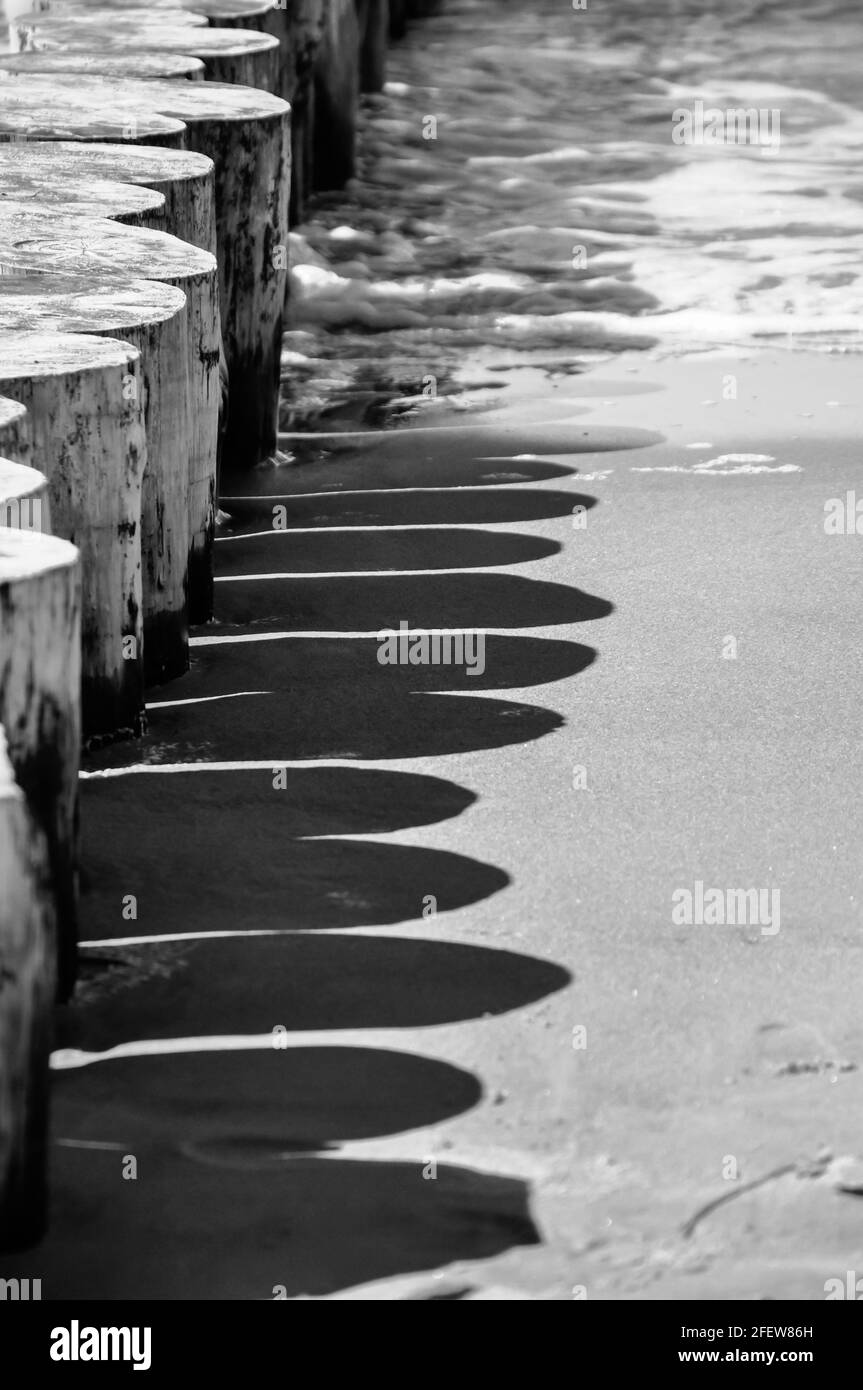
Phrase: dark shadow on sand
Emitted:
{"points": [[301, 982], [238, 866], [274, 552], [190, 1228], [456, 506], [379, 722], [275, 664], [314, 800], [378, 470], [466, 600], [236, 1195], [297, 1095]]}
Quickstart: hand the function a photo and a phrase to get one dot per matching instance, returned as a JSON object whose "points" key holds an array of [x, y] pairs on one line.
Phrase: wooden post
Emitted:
{"points": [[85, 399], [152, 316], [106, 64], [185, 180], [336, 98], [247, 134], [15, 441], [299, 27], [374, 23], [214, 11], [40, 707], [28, 972], [27, 113], [139, 207], [228, 55], [97, 13], [398, 19], [24, 500], [178, 503]]}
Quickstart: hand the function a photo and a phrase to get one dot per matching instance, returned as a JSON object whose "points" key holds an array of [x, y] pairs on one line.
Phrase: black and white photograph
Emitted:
{"points": [[431, 673]]}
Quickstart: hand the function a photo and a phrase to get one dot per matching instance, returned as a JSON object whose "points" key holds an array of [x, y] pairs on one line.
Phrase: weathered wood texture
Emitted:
{"points": [[65, 195], [31, 111], [106, 64], [336, 98], [85, 396], [40, 708], [374, 22], [95, 14], [247, 134], [186, 181], [15, 439], [228, 55], [24, 500], [27, 988], [214, 11], [96, 249], [299, 28], [152, 316]]}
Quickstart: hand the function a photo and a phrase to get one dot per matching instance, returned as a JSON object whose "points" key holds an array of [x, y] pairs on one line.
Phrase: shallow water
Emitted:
{"points": [[552, 220]]}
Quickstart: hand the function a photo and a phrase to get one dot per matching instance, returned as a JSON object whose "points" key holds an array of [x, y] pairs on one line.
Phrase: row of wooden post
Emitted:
{"points": [[146, 192]]}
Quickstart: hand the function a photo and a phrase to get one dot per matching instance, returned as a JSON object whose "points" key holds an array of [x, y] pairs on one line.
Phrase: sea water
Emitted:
{"points": [[541, 187]]}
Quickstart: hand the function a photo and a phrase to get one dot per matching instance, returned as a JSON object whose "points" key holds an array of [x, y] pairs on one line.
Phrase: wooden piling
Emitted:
{"points": [[398, 19], [96, 13], [184, 179], [374, 22], [24, 500], [336, 98], [64, 195], [40, 708], [186, 182], [247, 134], [27, 989], [85, 397], [103, 64], [152, 316], [15, 441], [31, 111], [228, 55], [177, 530]]}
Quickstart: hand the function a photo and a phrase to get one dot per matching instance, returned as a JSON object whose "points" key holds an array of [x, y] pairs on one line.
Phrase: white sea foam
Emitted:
{"points": [[567, 221]]}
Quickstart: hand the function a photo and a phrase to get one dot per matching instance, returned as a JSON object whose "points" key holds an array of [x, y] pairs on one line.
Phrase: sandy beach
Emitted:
{"points": [[383, 994]]}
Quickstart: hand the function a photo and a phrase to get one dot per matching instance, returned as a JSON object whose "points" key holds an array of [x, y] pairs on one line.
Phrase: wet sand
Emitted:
{"points": [[285, 1043]]}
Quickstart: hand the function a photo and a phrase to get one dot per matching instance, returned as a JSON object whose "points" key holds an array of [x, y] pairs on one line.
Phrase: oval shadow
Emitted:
{"points": [[295, 1095], [377, 722], [313, 801], [466, 601], [240, 985], [227, 668], [199, 1229], [274, 552], [210, 882], [449, 455], [331, 468], [459, 506]]}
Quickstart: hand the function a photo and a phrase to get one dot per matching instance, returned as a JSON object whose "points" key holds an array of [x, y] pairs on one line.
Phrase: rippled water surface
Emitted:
{"points": [[551, 219]]}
